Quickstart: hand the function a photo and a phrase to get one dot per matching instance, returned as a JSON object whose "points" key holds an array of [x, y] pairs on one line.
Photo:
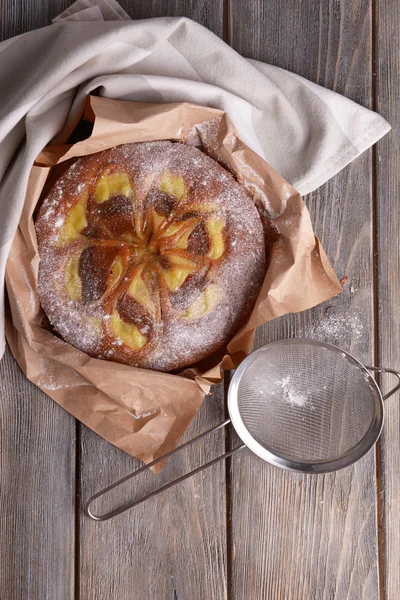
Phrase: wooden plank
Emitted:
{"points": [[175, 545], [208, 14], [311, 537], [387, 42], [37, 448], [19, 17], [37, 491]]}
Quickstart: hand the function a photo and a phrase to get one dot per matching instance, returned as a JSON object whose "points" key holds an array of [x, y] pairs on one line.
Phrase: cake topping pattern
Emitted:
{"points": [[151, 254]]}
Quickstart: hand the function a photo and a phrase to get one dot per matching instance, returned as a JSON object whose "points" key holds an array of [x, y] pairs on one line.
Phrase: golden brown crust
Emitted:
{"points": [[151, 254]]}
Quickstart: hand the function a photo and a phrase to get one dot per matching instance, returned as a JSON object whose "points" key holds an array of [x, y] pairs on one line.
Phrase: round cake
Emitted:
{"points": [[151, 254]]}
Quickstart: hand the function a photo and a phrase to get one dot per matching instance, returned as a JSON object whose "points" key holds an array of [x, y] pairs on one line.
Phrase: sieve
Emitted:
{"points": [[300, 404]]}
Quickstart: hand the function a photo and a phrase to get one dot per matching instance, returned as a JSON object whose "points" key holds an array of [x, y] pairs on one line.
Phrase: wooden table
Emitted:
{"points": [[243, 530]]}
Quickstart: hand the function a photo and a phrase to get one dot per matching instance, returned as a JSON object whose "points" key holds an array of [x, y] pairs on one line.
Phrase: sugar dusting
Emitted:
{"points": [[33, 295], [336, 328], [291, 393], [173, 341], [143, 415], [206, 135], [51, 376]]}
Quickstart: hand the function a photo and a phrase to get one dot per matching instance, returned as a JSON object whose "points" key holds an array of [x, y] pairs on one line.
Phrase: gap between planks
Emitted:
{"points": [[375, 305], [77, 562]]}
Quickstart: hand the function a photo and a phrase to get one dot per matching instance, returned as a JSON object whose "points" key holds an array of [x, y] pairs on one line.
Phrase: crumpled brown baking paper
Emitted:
{"points": [[141, 411]]}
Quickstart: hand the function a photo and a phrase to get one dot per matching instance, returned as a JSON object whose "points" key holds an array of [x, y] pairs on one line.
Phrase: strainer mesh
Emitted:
{"points": [[306, 402]]}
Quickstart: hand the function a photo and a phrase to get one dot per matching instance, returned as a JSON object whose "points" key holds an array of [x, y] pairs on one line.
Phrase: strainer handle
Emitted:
{"points": [[392, 372], [134, 503]]}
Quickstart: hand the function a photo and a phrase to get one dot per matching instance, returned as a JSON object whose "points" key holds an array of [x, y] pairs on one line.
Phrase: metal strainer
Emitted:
{"points": [[299, 404]]}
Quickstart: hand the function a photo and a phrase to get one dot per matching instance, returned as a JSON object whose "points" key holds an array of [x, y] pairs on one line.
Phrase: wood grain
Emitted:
{"points": [[37, 491], [305, 537], [173, 546], [209, 14], [387, 67], [37, 447], [19, 17]]}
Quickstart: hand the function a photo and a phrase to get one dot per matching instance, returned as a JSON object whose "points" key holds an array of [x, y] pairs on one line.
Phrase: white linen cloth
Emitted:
{"points": [[307, 133]]}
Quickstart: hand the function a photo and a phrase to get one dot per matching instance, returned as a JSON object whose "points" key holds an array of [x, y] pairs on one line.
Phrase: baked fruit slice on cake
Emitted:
{"points": [[151, 254]]}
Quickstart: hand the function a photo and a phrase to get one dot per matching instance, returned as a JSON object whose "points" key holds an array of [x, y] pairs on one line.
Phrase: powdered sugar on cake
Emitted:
{"points": [[182, 318]]}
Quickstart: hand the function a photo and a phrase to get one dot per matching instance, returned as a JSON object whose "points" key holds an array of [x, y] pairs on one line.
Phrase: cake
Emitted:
{"points": [[151, 254]]}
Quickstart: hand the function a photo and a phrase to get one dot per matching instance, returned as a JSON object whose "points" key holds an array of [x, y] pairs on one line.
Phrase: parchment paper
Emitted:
{"points": [[145, 412]]}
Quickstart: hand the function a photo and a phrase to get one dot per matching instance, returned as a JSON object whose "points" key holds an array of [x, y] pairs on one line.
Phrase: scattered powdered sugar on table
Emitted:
{"points": [[290, 394], [336, 328]]}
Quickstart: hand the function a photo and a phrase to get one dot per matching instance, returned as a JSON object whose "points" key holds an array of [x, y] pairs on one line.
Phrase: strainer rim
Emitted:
{"points": [[319, 466]]}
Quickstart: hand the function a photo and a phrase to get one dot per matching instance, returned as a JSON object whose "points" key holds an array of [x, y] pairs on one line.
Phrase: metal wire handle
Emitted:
{"points": [[134, 503], [392, 372]]}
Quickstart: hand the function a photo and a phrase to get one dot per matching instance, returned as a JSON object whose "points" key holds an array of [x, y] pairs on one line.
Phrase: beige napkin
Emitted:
{"points": [[307, 133]]}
